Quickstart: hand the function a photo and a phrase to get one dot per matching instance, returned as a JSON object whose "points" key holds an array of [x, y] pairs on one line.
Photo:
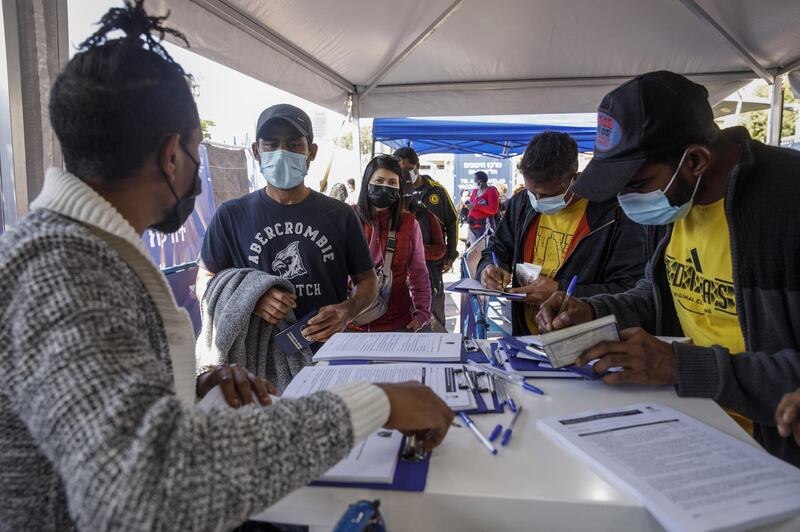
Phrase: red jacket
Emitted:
{"points": [[485, 204], [411, 289]]}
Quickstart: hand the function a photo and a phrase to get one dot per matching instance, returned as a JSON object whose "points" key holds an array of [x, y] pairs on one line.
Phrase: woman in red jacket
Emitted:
{"points": [[381, 212]]}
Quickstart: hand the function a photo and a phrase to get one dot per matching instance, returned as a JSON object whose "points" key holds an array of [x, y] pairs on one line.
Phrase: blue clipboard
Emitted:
{"points": [[408, 476]]}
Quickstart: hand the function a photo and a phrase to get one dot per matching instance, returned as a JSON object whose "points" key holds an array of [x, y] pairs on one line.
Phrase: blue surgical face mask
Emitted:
{"points": [[284, 169], [654, 208], [550, 205]]}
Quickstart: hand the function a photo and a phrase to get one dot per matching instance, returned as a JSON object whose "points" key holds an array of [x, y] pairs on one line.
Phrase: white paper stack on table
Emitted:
{"points": [[690, 476], [392, 347], [439, 377]]}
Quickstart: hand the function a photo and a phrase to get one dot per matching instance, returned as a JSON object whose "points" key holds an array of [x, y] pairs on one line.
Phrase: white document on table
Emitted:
{"points": [[392, 347], [690, 476], [439, 377], [372, 460]]}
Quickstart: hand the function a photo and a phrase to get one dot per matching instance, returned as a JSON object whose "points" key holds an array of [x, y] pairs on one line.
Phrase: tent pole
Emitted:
{"points": [[411, 47], [740, 50], [775, 112], [356, 110]]}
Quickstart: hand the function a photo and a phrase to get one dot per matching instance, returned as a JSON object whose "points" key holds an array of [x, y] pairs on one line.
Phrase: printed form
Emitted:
{"points": [[400, 347], [439, 377], [688, 474]]}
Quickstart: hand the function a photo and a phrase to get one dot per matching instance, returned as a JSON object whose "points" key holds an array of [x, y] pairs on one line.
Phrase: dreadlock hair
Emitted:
{"points": [[365, 209], [118, 99], [549, 156]]}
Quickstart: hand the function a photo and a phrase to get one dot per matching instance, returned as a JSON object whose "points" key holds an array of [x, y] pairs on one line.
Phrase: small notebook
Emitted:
{"points": [[564, 346]]}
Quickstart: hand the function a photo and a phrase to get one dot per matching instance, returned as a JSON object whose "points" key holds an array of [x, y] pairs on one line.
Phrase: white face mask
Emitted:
{"points": [[414, 175], [654, 208], [550, 205]]}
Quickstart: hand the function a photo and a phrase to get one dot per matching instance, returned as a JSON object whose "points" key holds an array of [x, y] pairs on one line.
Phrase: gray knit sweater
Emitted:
{"points": [[92, 434]]}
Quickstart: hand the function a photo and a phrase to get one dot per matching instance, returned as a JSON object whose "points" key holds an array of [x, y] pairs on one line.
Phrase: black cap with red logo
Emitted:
{"points": [[650, 114]]}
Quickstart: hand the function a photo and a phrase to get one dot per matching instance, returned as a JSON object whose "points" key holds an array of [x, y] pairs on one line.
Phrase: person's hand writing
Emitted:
{"points": [[495, 278], [274, 305], [644, 359], [538, 291], [238, 385], [329, 321], [417, 410], [786, 415], [577, 311]]}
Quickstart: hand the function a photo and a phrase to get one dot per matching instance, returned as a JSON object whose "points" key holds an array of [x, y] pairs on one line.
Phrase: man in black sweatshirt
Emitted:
{"points": [[550, 226], [725, 254]]}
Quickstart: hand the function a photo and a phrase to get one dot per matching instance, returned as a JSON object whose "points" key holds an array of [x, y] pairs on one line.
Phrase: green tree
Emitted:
{"points": [[205, 125], [756, 121], [346, 141]]}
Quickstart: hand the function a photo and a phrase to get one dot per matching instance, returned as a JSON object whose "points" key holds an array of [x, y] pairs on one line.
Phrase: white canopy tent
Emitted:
{"points": [[421, 57], [469, 57]]}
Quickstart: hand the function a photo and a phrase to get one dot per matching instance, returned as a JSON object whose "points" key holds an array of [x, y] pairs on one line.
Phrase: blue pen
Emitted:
{"points": [[496, 432], [494, 259], [477, 433], [507, 433], [570, 289]]}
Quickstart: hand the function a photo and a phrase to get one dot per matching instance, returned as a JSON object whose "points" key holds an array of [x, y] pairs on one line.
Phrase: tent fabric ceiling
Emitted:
{"points": [[498, 139], [554, 55]]}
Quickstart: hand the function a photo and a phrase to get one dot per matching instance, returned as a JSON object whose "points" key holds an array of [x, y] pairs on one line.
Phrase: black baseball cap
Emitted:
{"points": [[295, 116], [650, 114]]}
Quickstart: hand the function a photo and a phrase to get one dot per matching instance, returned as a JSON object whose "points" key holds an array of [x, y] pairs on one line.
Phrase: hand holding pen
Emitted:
{"points": [[494, 276]]}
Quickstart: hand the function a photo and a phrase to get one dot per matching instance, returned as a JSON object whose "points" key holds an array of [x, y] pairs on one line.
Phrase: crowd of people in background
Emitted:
{"points": [[675, 227]]}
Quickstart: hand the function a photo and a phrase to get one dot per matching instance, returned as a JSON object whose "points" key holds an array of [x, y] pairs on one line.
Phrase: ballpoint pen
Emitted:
{"points": [[570, 289], [486, 443], [513, 378], [507, 433]]}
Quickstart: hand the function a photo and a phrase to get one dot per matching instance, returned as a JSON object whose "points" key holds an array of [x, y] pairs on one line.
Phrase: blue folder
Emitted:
{"points": [[408, 476]]}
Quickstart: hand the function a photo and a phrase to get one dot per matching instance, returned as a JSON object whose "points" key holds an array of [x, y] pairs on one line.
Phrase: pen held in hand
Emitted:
{"points": [[570, 289]]}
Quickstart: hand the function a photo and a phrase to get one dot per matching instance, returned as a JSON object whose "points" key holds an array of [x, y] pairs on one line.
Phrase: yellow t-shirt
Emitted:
{"points": [[699, 272], [554, 236]]}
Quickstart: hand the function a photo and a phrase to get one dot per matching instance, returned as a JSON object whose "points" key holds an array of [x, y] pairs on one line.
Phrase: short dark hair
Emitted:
{"points": [[407, 152], [351, 181], [117, 100], [549, 155], [480, 174], [364, 207]]}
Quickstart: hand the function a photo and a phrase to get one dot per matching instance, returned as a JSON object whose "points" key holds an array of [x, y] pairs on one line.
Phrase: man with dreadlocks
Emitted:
{"points": [[98, 428]]}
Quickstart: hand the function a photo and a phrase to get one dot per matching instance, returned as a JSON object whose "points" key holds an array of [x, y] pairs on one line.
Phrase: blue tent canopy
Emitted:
{"points": [[495, 139]]}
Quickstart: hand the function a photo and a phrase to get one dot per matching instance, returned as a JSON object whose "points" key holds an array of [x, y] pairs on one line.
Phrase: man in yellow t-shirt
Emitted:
{"points": [[724, 268], [566, 235]]}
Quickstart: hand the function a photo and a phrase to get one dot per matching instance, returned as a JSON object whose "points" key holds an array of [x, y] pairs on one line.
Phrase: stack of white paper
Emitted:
{"points": [[690, 476], [439, 377], [392, 347]]}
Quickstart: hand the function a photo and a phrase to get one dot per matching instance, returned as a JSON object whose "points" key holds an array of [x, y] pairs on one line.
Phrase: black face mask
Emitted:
{"points": [[183, 206], [382, 196]]}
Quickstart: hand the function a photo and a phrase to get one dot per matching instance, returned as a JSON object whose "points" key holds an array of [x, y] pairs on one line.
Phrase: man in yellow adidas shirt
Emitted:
{"points": [[725, 253], [566, 235]]}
